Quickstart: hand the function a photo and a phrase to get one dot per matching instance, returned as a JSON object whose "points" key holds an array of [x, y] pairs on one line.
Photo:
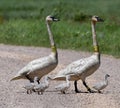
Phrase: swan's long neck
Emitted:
{"points": [[95, 43], [106, 80], [53, 47], [67, 80], [35, 82], [46, 81]]}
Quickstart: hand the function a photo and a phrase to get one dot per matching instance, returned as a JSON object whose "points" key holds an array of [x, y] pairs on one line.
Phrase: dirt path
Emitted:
{"points": [[12, 95]]}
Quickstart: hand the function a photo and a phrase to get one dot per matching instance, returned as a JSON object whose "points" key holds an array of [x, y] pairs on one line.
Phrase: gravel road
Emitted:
{"points": [[13, 95]]}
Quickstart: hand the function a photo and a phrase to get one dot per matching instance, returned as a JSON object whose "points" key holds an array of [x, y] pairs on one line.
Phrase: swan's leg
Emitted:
{"points": [[41, 92], [32, 81], [38, 81], [63, 92], [27, 91], [38, 93], [33, 90], [29, 78], [76, 88], [30, 91], [88, 88], [99, 91]]}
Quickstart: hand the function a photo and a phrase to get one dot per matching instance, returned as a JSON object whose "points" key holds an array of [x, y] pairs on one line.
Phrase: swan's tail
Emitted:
{"points": [[16, 78], [62, 78]]}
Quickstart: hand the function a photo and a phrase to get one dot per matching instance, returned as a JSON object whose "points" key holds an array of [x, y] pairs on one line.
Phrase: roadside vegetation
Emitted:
{"points": [[23, 23]]}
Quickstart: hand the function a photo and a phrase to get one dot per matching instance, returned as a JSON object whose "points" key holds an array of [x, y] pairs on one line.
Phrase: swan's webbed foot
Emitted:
{"points": [[91, 91], [29, 91], [63, 92], [99, 91], [77, 91], [33, 90]]}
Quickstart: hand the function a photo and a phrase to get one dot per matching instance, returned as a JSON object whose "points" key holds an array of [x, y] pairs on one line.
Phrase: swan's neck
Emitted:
{"points": [[106, 80], [95, 44], [53, 47], [46, 81], [35, 82], [67, 80]]}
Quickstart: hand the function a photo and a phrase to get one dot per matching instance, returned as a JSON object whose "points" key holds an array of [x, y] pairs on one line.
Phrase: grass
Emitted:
{"points": [[23, 23]]}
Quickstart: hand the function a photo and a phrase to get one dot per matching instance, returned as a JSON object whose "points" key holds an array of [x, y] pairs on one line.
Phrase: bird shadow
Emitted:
{"points": [[73, 92]]}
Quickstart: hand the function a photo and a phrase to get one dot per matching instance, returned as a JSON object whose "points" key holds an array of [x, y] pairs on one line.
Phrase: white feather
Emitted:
{"points": [[85, 67], [79, 69], [101, 85], [30, 86], [64, 86], [40, 66], [40, 88]]}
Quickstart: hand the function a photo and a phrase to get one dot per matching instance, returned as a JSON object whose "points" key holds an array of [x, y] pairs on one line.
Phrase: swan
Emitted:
{"points": [[101, 85], [30, 86], [41, 66], [64, 86], [42, 86], [83, 68]]}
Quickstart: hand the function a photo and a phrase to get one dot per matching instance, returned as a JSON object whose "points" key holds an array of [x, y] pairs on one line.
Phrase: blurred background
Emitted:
{"points": [[22, 22]]}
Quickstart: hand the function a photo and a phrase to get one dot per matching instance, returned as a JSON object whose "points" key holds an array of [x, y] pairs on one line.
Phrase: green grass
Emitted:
{"points": [[23, 23]]}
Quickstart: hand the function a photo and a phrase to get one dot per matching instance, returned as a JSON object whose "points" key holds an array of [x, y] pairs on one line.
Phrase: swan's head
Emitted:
{"points": [[97, 19], [51, 18], [106, 76]]}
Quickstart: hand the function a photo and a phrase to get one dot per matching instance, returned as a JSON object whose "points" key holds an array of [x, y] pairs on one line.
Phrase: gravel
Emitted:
{"points": [[13, 95]]}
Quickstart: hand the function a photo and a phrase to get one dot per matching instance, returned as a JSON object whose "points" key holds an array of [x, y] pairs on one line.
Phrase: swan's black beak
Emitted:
{"points": [[55, 19], [108, 75], [100, 20]]}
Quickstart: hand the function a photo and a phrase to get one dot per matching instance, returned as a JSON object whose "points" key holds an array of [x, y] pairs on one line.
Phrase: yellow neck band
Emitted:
{"points": [[53, 49], [96, 48]]}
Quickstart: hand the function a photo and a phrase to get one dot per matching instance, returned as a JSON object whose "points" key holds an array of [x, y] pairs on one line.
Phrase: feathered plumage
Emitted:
{"points": [[40, 88], [101, 85], [64, 86], [40, 66], [83, 68], [30, 86]]}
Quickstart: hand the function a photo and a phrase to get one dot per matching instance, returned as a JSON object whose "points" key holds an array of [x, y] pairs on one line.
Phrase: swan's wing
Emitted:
{"points": [[40, 64], [33, 66], [78, 67], [69, 70], [71, 67]]}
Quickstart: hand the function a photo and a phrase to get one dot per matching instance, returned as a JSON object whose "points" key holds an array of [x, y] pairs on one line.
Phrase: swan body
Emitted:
{"points": [[79, 69], [40, 88], [40, 66], [101, 85], [85, 67]]}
